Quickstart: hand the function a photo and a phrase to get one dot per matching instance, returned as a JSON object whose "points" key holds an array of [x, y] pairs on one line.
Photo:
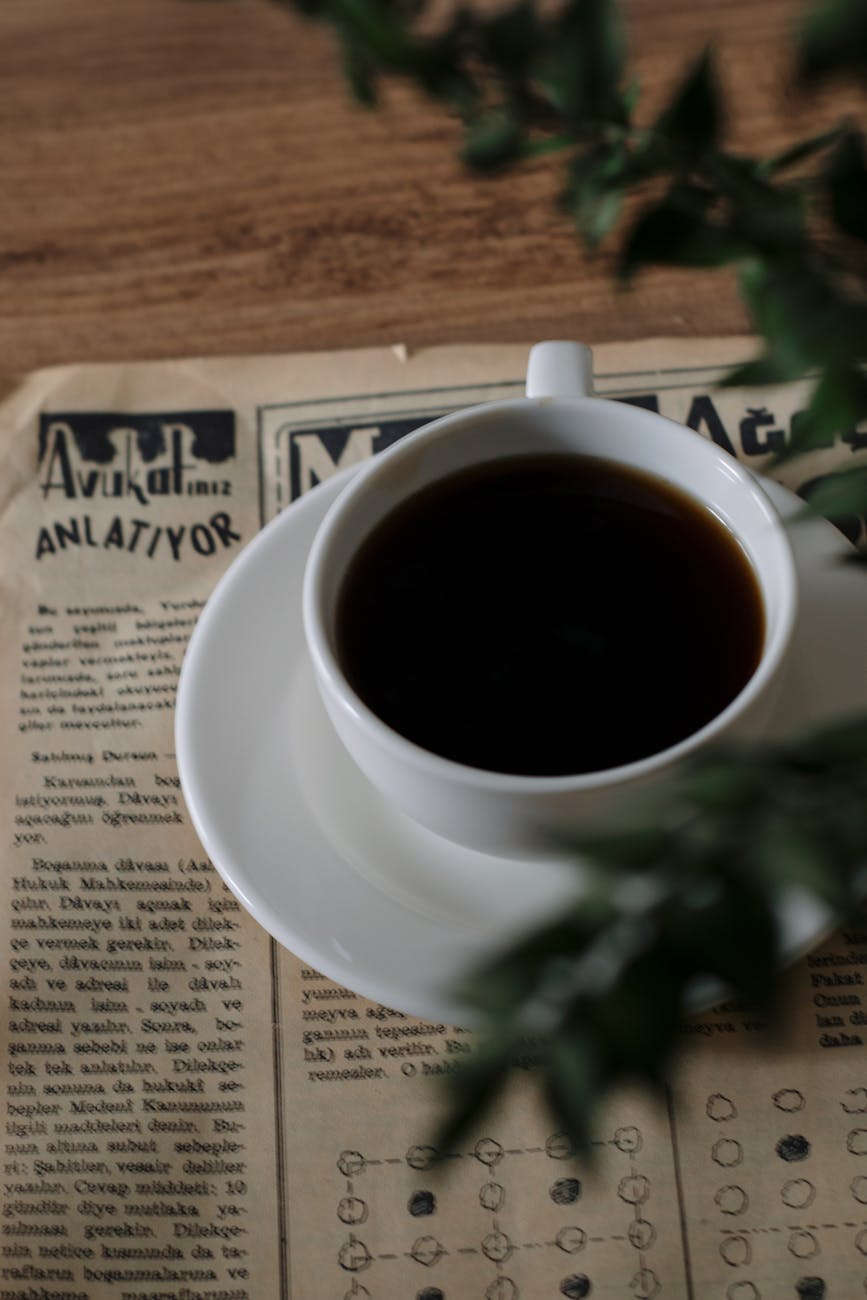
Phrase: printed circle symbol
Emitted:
{"points": [[628, 1139], [503, 1288], [350, 1163], [420, 1158], [641, 1233], [797, 1193], [803, 1245], [560, 1146], [793, 1147], [571, 1240], [789, 1099], [566, 1191], [720, 1108], [354, 1256], [736, 1251], [857, 1103], [488, 1151], [497, 1247], [576, 1286], [426, 1251], [421, 1203], [727, 1152], [430, 1293], [743, 1291], [351, 1210], [645, 1284], [492, 1196], [856, 1142], [732, 1199], [634, 1189], [859, 1189], [810, 1288], [861, 1241]]}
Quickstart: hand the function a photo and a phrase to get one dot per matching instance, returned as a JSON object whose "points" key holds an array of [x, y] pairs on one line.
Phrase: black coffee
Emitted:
{"points": [[549, 615]]}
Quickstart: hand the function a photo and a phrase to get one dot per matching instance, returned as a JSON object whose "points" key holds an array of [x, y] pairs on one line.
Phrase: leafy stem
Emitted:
{"points": [[794, 224], [601, 989], [679, 910]]}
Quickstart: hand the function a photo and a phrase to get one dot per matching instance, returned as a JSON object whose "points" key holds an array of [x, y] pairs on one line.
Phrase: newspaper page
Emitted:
{"points": [[192, 1112]]}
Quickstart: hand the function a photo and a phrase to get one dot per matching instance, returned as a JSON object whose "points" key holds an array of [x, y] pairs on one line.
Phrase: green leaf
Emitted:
{"points": [[731, 935], [693, 120], [493, 141], [650, 156], [309, 8], [582, 71], [805, 321], [622, 850], [840, 746], [601, 217], [846, 177], [571, 1083], [630, 98], [785, 856], [833, 40], [840, 494], [374, 31], [638, 1020], [439, 68], [473, 1089], [360, 73], [838, 403], [594, 191], [717, 783], [799, 153], [501, 986], [510, 38], [678, 232], [770, 218]]}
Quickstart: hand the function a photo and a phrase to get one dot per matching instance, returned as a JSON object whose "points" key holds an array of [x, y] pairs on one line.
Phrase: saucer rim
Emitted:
{"points": [[432, 1005]]}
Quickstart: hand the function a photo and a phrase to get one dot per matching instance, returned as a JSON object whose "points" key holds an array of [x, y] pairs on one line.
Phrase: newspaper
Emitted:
{"points": [[192, 1112]]}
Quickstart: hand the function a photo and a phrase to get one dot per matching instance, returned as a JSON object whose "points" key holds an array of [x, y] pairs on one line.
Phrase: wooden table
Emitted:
{"points": [[189, 177]]}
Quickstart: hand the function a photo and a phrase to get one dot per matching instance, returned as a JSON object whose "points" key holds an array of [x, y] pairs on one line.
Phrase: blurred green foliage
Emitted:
{"points": [[793, 226], [691, 901]]}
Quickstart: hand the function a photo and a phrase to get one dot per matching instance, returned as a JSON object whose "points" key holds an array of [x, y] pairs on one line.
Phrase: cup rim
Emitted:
{"points": [[407, 751]]}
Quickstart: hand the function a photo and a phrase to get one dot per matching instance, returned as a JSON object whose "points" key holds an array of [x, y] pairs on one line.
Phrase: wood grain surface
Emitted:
{"points": [[189, 177]]}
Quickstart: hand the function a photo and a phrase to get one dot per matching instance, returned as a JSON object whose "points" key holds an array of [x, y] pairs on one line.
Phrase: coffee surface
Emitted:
{"points": [[549, 615]]}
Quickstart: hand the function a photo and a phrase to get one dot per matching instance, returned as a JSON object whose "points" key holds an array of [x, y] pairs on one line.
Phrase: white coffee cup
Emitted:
{"points": [[524, 815]]}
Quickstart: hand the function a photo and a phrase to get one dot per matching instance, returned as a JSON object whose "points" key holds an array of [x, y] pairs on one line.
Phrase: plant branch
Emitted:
{"points": [[603, 987]]}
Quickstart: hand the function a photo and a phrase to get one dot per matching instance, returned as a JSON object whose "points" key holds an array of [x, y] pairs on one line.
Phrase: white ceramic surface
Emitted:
{"points": [[332, 871], [492, 811]]}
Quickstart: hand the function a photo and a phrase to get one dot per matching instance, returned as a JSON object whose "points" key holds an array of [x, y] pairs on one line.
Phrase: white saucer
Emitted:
{"points": [[351, 886]]}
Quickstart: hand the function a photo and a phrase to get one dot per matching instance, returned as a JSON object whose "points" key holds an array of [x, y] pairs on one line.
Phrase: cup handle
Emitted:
{"points": [[560, 369]]}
